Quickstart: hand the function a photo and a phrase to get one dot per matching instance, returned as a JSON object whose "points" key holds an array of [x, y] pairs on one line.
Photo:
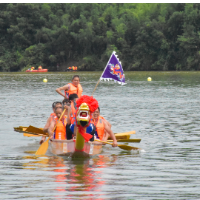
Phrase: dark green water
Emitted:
{"points": [[164, 113]]}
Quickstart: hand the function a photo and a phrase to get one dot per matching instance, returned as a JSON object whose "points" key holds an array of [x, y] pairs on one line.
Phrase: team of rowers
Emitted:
{"points": [[73, 68], [99, 127]]}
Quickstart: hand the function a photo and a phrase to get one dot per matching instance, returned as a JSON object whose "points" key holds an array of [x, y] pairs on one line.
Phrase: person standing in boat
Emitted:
{"points": [[52, 116], [103, 127], [71, 88]]}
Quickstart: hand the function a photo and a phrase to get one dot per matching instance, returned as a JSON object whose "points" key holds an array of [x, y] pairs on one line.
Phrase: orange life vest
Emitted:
{"points": [[60, 132], [53, 117], [99, 127], [70, 67], [74, 90]]}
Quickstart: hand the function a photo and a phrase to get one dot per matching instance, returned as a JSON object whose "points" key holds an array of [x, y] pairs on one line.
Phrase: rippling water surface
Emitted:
{"points": [[164, 113]]}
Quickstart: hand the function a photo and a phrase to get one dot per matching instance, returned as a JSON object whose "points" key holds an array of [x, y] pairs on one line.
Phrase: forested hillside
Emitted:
{"points": [[145, 36]]}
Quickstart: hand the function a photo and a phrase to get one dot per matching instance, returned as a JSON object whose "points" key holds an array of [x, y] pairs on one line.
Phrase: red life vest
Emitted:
{"points": [[74, 90], [99, 127], [60, 132]]}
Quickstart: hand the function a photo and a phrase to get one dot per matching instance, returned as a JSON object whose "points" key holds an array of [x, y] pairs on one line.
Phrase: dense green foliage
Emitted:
{"points": [[145, 36]]}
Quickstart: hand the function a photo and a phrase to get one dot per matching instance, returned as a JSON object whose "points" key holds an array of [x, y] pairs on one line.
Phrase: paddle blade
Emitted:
{"points": [[125, 135], [35, 130], [127, 140], [122, 146], [127, 148], [43, 148], [30, 135]]}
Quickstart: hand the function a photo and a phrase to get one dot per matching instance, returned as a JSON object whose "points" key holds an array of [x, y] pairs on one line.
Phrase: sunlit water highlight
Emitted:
{"points": [[164, 113]]}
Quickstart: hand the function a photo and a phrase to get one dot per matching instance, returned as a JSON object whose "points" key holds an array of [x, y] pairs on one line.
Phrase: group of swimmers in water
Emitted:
{"points": [[99, 127]]}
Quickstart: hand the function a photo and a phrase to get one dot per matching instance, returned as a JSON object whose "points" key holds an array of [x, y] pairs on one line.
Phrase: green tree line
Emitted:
{"points": [[145, 36]]}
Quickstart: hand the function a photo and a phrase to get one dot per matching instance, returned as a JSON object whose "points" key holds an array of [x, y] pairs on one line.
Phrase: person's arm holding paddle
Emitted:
{"points": [[109, 131], [51, 129], [45, 129]]}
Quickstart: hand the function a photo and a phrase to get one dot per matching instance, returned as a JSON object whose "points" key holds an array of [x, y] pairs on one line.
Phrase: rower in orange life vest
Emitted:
{"points": [[103, 127], [51, 117], [60, 131], [71, 88], [69, 113]]}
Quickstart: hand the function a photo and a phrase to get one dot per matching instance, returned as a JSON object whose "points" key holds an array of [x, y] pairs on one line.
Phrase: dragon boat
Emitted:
{"points": [[67, 147], [80, 145]]}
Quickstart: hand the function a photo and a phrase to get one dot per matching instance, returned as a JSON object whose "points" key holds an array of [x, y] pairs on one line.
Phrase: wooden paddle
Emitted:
{"points": [[121, 146], [127, 140], [44, 146], [33, 129], [29, 134], [125, 133], [38, 131]]}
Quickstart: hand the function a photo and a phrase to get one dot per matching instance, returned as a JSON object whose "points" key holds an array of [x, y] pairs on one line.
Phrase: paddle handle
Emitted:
{"points": [[103, 142], [127, 140], [124, 147]]}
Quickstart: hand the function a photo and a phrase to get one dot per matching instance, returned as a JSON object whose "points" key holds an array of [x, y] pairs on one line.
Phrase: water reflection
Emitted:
{"points": [[74, 177]]}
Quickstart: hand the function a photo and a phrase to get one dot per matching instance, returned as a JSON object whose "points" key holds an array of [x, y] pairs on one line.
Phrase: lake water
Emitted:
{"points": [[164, 113]]}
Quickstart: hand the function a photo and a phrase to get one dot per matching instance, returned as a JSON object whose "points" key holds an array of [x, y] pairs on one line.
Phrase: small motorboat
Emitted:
{"points": [[37, 70]]}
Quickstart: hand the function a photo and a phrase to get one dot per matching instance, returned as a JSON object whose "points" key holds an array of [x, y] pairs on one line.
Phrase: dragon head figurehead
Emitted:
{"points": [[83, 115], [86, 105]]}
